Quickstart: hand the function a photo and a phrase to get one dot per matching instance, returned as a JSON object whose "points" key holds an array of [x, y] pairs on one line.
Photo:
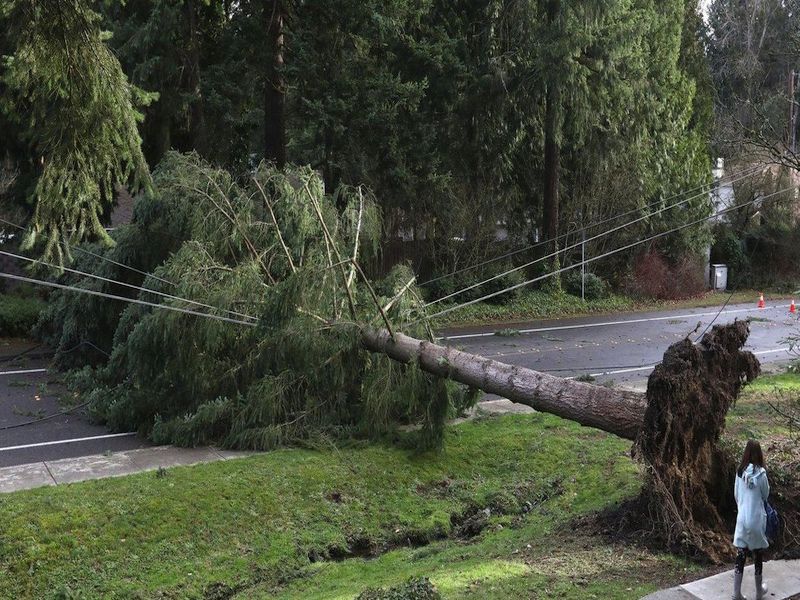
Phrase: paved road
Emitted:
{"points": [[621, 348], [27, 394]]}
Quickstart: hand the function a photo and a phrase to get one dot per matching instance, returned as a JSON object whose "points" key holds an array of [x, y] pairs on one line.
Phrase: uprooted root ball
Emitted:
{"points": [[689, 478]]}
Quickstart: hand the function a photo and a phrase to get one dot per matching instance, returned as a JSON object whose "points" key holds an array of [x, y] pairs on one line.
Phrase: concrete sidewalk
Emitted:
{"points": [[781, 576], [70, 470]]}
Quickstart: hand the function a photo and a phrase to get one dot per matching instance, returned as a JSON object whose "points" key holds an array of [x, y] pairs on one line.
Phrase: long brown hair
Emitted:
{"points": [[752, 454]]}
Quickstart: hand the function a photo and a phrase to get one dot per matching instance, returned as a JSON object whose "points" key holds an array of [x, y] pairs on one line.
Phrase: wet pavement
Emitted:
{"points": [[622, 349], [31, 428]]}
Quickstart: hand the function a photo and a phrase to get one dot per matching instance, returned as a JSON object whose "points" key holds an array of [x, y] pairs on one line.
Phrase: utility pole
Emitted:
{"points": [[791, 137], [583, 263]]}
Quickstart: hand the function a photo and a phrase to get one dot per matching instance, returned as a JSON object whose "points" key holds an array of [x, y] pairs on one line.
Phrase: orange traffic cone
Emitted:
{"points": [[761, 301], [792, 309]]}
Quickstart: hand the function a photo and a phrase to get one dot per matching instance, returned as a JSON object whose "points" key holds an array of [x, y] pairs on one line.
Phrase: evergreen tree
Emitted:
{"points": [[76, 115]]}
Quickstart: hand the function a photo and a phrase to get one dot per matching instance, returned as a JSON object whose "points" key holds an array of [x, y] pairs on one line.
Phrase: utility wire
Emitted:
{"points": [[609, 253], [557, 252], [63, 412], [124, 299], [699, 337], [742, 175], [101, 257], [19, 355], [47, 418], [128, 285]]}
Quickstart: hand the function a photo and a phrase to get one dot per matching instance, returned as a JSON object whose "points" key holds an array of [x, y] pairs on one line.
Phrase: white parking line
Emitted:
{"points": [[23, 372], [605, 323], [56, 442]]}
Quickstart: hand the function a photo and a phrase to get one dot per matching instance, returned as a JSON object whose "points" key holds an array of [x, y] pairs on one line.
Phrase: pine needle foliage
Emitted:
{"points": [[272, 245], [78, 112]]}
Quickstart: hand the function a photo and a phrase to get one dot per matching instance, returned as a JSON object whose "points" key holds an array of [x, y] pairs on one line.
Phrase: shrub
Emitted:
{"points": [[459, 281], [595, 287], [655, 277], [18, 315], [414, 589]]}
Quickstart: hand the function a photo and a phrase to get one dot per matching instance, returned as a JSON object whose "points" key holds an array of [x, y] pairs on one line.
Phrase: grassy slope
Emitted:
{"points": [[253, 522], [752, 417], [248, 526]]}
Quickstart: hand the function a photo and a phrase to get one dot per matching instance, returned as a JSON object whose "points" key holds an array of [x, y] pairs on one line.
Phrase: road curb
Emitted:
{"points": [[100, 466]]}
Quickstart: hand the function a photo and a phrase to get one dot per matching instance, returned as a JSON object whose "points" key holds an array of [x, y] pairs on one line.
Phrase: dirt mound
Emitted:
{"points": [[687, 494]]}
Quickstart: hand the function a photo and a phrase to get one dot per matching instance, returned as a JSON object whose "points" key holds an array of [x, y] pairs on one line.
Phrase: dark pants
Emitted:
{"points": [[741, 558]]}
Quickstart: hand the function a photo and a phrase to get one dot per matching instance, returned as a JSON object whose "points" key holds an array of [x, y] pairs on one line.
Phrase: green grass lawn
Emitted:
{"points": [[329, 523], [274, 525], [755, 416]]}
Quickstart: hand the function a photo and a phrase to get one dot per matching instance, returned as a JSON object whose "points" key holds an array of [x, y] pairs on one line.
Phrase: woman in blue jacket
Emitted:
{"points": [[751, 491]]}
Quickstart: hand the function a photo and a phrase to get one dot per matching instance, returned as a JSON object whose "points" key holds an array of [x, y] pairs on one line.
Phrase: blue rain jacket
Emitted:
{"points": [[751, 490]]}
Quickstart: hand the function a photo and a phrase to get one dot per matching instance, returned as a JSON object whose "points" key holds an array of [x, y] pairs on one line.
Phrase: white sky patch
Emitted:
{"points": [[704, 6]]}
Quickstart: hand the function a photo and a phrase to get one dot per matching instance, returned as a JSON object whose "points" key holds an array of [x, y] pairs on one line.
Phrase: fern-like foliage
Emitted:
{"points": [[274, 246], [79, 113]]}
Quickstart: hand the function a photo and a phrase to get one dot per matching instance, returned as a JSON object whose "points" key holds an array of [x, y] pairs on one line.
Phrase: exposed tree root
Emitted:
{"points": [[689, 477]]}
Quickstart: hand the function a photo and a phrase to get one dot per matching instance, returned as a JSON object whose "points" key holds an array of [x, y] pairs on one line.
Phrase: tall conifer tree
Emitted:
{"points": [[77, 114]]}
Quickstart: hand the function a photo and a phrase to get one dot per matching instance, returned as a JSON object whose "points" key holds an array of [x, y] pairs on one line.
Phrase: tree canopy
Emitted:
{"points": [[445, 110]]}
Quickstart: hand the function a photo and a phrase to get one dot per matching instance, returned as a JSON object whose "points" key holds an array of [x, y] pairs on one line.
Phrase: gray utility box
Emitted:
{"points": [[719, 277]]}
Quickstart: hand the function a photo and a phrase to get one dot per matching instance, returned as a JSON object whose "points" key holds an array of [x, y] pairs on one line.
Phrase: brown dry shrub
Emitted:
{"points": [[654, 277]]}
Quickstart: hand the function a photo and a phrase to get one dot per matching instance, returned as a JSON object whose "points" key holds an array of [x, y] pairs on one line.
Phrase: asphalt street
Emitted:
{"points": [[619, 348], [622, 348], [26, 395]]}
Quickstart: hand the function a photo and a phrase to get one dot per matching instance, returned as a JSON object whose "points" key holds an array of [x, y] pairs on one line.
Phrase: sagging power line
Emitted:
{"points": [[606, 254], [734, 179], [99, 256], [567, 248], [124, 299], [127, 285]]}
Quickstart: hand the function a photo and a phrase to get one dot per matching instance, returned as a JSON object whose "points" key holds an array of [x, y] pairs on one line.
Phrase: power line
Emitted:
{"points": [[19, 355], [743, 175], [124, 299], [557, 252], [101, 257], [128, 285], [48, 417], [611, 252]]}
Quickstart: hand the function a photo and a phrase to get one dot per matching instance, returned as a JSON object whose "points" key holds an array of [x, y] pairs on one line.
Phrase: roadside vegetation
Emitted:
{"points": [[18, 314], [553, 305], [506, 510]]}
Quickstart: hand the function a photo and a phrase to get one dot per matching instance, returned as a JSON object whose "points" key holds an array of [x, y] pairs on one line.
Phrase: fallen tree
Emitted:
{"points": [[616, 411], [676, 425], [306, 358]]}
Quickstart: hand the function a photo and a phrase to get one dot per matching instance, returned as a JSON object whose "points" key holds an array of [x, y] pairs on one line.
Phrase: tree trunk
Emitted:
{"points": [[686, 501], [274, 87], [615, 411], [552, 149], [197, 124]]}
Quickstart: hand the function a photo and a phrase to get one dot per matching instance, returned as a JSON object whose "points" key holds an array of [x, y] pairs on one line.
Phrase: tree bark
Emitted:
{"points": [[274, 87], [615, 411], [552, 149], [197, 119]]}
